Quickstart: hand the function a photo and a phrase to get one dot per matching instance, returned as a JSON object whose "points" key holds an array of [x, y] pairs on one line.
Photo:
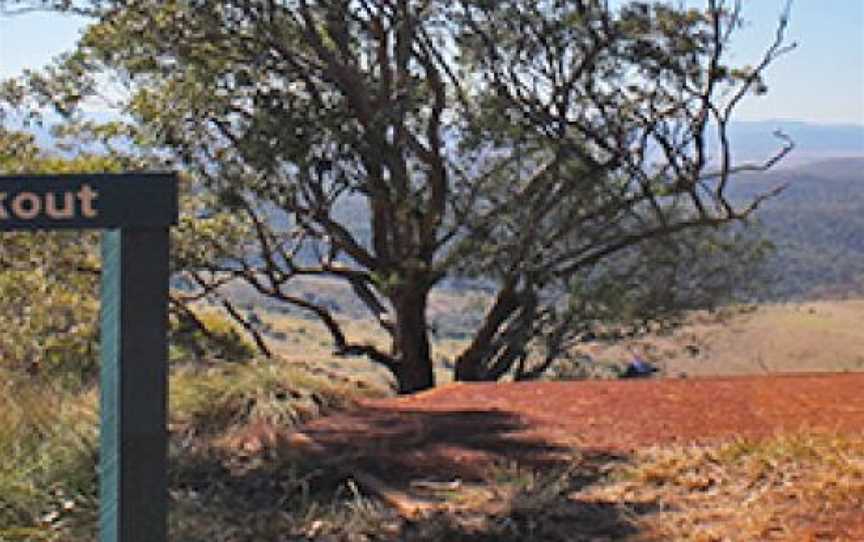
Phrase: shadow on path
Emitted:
{"points": [[400, 444], [485, 476]]}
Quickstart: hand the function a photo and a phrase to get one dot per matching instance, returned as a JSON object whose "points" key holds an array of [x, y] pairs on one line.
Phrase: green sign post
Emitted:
{"points": [[136, 211]]}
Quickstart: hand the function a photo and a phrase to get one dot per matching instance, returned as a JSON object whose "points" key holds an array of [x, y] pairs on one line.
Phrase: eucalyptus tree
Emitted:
{"points": [[572, 154]]}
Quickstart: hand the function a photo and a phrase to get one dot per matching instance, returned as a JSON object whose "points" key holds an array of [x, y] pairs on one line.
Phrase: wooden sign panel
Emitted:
{"points": [[137, 210], [104, 201]]}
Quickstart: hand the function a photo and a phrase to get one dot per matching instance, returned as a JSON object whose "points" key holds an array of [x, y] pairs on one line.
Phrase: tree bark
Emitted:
{"points": [[470, 365], [414, 369]]}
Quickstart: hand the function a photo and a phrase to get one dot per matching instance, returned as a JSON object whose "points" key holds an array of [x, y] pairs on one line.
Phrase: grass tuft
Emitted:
{"points": [[49, 449], [226, 395], [48, 454]]}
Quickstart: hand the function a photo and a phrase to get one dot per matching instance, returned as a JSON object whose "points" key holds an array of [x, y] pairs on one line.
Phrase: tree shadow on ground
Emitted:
{"points": [[408, 444], [484, 472]]}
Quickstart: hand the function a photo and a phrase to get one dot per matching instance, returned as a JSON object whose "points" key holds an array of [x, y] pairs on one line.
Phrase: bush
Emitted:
{"points": [[49, 321], [219, 339]]}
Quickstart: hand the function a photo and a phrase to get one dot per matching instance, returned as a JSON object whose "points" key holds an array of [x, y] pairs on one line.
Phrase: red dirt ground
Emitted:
{"points": [[461, 430], [463, 426]]}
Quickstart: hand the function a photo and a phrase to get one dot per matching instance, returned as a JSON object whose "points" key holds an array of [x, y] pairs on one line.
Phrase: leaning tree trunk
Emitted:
{"points": [[471, 365], [414, 370]]}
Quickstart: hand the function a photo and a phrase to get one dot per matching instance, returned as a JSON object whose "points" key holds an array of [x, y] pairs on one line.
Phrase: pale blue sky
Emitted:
{"points": [[822, 81]]}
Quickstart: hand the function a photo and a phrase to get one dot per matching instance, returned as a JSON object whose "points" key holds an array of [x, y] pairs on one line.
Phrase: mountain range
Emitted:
{"points": [[754, 140], [816, 223], [751, 140]]}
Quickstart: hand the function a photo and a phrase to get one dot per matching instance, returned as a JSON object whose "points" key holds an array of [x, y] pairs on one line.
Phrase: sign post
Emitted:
{"points": [[136, 211]]}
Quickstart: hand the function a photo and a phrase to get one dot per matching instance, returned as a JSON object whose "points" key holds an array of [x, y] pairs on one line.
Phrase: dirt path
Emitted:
{"points": [[464, 427], [456, 433]]}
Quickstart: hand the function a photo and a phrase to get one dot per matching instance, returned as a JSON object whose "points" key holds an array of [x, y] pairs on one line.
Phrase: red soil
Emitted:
{"points": [[462, 426], [461, 430]]}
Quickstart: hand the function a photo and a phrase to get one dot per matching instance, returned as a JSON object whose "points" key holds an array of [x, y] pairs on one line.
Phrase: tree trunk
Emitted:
{"points": [[469, 368], [471, 363], [414, 372]]}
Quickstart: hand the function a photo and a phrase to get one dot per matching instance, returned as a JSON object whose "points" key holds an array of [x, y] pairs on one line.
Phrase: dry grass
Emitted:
{"points": [[785, 488], [215, 398], [779, 338], [49, 446], [232, 482], [308, 342], [789, 487], [48, 440]]}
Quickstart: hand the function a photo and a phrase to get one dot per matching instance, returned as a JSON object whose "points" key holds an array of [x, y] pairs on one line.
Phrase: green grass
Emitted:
{"points": [[223, 395], [49, 439], [48, 442]]}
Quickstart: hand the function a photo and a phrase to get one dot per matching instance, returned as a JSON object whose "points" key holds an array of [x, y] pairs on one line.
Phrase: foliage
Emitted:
{"points": [[212, 334], [49, 311], [536, 145], [49, 281]]}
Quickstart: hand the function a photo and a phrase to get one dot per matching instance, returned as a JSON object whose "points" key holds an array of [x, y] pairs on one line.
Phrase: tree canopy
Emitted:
{"points": [[571, 155]]}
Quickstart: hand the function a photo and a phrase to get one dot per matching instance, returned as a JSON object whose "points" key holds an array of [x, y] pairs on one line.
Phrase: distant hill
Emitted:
{"points": [[817, 223], [813, 142], [751, 140]]}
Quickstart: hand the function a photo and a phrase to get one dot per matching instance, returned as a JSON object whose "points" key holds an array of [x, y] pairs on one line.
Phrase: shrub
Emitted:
{"points": [[219, 338]]}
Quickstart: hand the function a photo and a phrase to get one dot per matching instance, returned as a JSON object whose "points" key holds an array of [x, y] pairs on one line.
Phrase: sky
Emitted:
{"points": [[822, 81]]}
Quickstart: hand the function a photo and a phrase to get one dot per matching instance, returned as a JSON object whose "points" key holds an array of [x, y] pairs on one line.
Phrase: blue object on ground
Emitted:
{"points": [[639, 368]]}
